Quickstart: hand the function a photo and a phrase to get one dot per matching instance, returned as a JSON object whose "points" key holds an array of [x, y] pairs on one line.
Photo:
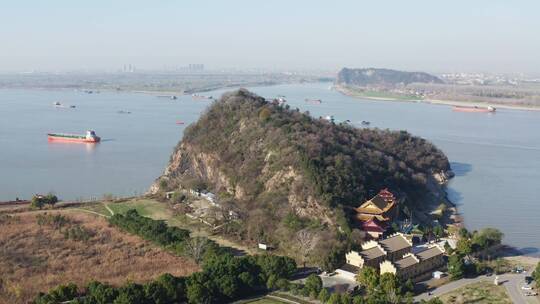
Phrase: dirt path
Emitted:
{"points": [[109, 209], [90, 211]]}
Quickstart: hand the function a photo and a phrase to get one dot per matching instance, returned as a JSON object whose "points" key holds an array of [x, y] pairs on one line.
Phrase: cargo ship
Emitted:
{"points": [[90, 137], [488, 109]]}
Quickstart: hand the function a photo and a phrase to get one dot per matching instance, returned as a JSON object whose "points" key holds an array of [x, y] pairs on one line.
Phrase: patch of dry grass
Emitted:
{"points": [[481, 292], [36, 258]]}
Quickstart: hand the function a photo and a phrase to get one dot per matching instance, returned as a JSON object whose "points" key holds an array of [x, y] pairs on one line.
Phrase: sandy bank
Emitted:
{"points": [[351, 93]]}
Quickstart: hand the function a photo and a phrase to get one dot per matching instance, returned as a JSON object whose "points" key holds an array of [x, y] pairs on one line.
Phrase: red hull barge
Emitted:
{"points": [[90, 137], [473, 109]]}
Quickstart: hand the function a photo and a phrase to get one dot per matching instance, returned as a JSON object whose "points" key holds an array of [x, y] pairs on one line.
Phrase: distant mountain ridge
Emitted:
{"points": [[383, 77]]}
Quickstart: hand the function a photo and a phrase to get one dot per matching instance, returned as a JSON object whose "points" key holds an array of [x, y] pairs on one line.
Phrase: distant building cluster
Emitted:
{"points": [[196, 67], [128, 68], [192, 67], [479, 79]]}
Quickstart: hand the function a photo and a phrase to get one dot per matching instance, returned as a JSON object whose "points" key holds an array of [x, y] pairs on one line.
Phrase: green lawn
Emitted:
{"points": [[144, 207], [480, 293]]}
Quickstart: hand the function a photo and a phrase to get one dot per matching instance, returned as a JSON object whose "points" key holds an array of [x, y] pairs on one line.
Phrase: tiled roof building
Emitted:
{"points": [[394, 255]]}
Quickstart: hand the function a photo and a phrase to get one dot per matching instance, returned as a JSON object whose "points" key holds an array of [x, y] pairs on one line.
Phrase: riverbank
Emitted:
{"points": [[352, 93]]}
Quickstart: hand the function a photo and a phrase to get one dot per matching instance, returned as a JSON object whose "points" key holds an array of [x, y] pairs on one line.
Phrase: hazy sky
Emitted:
{"points": [[431, 35]]}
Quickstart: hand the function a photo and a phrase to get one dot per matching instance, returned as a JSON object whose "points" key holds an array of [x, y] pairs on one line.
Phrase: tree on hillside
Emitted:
{"points": [[390, 285], [306, 241], [313, 283], [536, 275], [464, 247], [456, 267], [195, 247], [37, 202], [51, 199], [368, 277], [486, 238]]}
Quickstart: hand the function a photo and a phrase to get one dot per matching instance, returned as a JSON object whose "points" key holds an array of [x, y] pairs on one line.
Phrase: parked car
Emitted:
{"points": [[526, 287], [528, 280], [531, 293]]}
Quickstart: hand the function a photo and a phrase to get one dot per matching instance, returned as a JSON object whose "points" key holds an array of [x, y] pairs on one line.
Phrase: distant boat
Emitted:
{"points": [[174, 97], [90, 137], [57, 104], [197, 96], [313, 101], [473, 109], [179, 122], [123, 112], [365, 123], [72, 107]]}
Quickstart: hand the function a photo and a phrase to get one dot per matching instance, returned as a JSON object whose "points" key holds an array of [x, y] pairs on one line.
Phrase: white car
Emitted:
{"points": [[526, 287]]}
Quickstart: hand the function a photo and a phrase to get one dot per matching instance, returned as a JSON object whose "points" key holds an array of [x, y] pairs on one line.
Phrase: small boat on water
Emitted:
{"points": [[179, 122], [90, 137], [123, 112], [197, 96], [57, 104], [472, 109], [313, 101], [365, 123]]}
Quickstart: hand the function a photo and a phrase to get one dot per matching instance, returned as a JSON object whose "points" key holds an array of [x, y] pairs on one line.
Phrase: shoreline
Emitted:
{"points": [[350, 93]]}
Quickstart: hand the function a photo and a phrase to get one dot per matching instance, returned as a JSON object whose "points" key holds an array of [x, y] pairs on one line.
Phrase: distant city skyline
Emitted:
{"points": [[492, 36]]}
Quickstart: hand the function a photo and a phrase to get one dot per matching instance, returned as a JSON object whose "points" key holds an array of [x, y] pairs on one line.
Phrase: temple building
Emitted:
{"points": [[394, 255], [378, 213], [417, 266]]}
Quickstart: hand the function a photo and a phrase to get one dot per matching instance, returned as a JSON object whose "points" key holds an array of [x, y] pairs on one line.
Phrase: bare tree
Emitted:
{"points": [[195, 248], [306, 240]]}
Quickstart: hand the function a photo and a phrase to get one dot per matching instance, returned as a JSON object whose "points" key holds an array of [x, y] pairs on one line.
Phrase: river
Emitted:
{"points": [[496, 157]]}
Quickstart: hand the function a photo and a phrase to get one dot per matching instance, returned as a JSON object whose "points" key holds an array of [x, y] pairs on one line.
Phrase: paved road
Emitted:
{"points": [[512, 283]]}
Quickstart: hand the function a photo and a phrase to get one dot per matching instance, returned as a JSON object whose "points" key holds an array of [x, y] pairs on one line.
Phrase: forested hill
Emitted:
{"points": [[273, 161], [383, 77]]}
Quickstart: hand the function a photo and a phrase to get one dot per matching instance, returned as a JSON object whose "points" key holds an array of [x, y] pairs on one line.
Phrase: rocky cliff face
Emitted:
{"points": [[189, 162]]}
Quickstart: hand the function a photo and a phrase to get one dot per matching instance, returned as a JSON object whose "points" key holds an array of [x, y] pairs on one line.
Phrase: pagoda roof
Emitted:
{"points": [[373, 225], [378, 204]]}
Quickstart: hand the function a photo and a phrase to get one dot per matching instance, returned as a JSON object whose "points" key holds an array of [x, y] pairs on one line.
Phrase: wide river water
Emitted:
{"points": [[496, 157]]}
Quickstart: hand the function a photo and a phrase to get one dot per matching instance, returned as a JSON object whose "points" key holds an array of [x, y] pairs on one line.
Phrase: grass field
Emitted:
{"points": [[144, 207], [160, 211], [479, 293], [35, 257]]}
